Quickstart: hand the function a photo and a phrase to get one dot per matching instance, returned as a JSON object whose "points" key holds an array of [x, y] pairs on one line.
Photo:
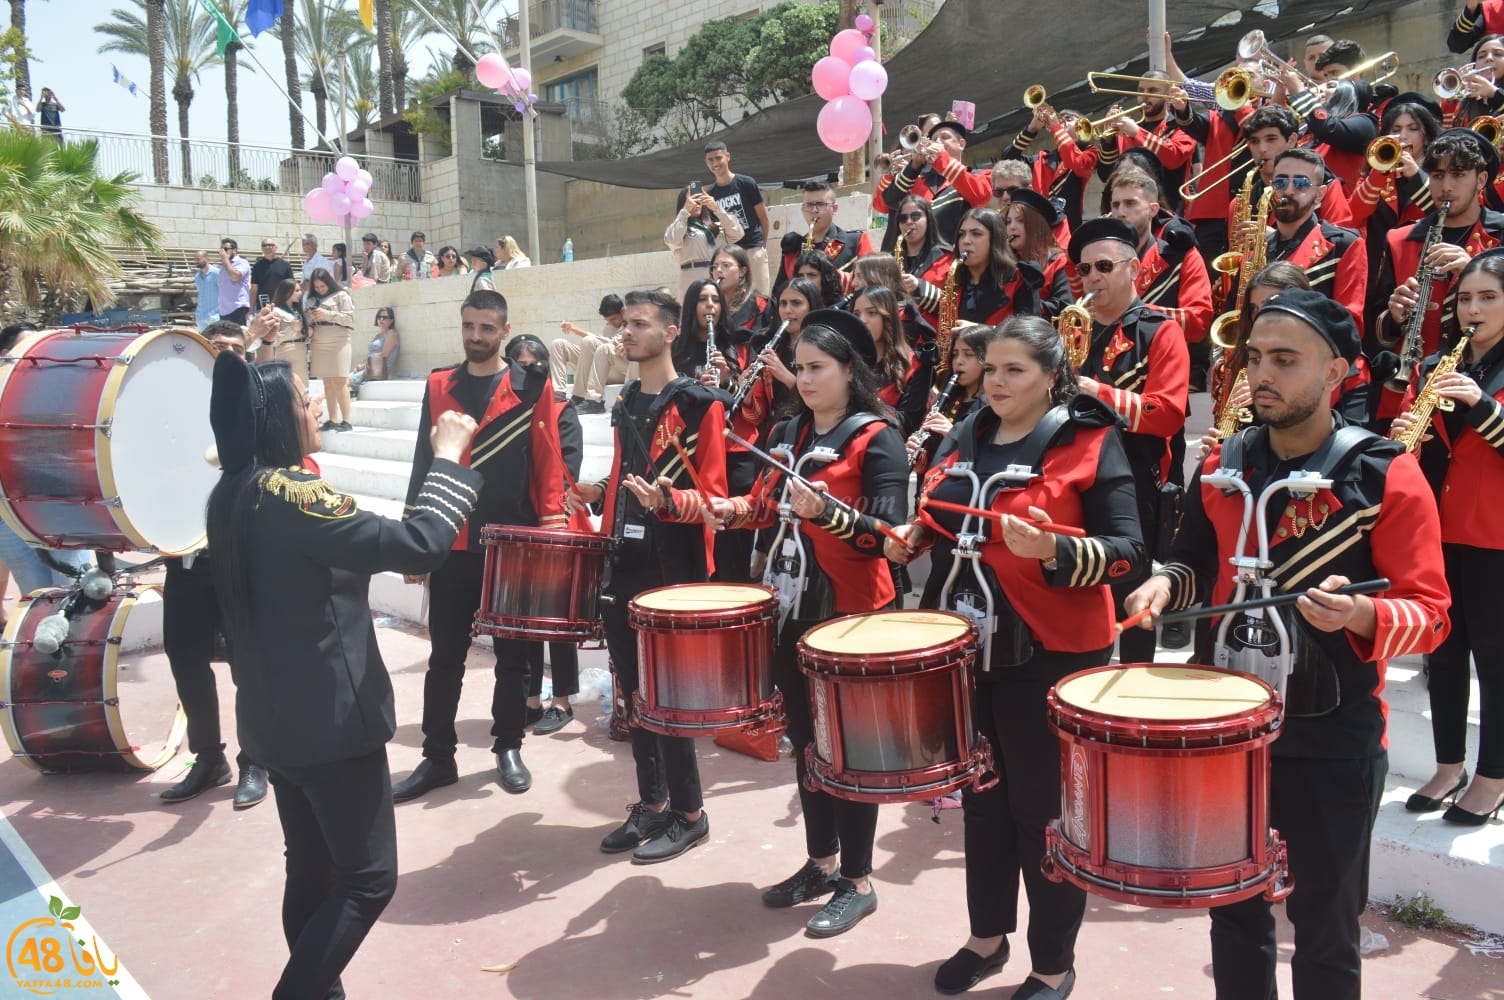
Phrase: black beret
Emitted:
{"points": [[482, 253], [237, 409], [1415, 97], [845, 324], [1486, 149], [1324, 315], [955, 127], [1038, 202], [1105, 228]]}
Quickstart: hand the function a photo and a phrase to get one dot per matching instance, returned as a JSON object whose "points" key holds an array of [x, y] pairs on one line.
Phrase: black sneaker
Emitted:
{"points": [[328, 425], [1175, 635], [847, 909], [343, 425], [552, 720], [809, 882], [679, 836], [532, 715], [642, 823], [591, 406]]}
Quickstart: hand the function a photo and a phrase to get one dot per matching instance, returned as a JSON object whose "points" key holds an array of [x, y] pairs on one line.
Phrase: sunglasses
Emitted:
{"points": [[1298, 183], [817, 207], [1100, 266], [268, 246], [911, 217], [1002, 192]]}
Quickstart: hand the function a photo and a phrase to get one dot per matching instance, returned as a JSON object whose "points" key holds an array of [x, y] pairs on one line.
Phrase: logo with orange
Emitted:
{"points": [[35, 955]]}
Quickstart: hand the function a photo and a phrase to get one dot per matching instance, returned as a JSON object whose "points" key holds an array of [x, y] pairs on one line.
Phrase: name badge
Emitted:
{"points": [[636, 532]]}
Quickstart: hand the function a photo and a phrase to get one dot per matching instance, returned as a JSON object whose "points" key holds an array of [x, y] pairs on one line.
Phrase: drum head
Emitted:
{"points": [[886, 632], [690, 597], [1164, 693], [150, 723], [159, 433]]}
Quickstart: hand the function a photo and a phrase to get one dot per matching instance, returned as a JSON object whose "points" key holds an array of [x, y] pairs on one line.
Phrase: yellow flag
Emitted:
{"points": [[368, 15]]}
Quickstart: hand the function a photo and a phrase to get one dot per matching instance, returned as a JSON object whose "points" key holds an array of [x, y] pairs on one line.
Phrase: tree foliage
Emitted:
{"points": [[729, 66]]}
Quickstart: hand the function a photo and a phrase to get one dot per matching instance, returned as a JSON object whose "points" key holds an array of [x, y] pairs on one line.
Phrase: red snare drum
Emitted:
{"points": [[90, 705], [102, 439], [542, 584], [891, 696], [1165, 786], [705, 658]]}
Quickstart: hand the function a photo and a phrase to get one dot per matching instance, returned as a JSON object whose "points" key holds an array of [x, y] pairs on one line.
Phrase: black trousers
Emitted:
{"points": [[733, 549], [341, 839], [1004, 826], [831, 825], [563, 661], [666, 765], [190, 621], [453, 598], [1137, 645], [1325, 810], [1477, 589]]}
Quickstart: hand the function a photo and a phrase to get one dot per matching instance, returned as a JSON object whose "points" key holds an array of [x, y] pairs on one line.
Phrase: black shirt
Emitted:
{"points": [[741, 198], [266, 275], [475, 391]]}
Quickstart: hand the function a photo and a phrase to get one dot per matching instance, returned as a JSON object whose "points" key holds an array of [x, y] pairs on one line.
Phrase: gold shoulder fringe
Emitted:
{"points": [[302, 492]]}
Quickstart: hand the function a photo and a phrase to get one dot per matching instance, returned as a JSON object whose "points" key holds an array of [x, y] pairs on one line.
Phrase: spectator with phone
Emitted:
{"points": [[267, 273], [50, 115], [700, 229], [234, 283], [740, 196]]}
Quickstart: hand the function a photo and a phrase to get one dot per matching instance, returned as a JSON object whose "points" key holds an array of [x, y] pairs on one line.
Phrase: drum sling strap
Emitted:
{"points": [[633, 526], [1312, 688]]}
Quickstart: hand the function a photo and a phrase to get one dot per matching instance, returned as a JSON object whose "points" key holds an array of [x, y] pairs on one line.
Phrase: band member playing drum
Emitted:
{"points": [[654, 508], [515, 411], [293, 560], [1368, 514], [1053, 613], [1462, 454], [828, 562]]}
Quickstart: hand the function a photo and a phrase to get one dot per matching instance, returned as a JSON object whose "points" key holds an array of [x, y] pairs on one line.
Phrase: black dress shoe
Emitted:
{"points": [[809, 882], [515, 777], [1460, 816], [966, 968], [1419, 803], [845, 910], [428, 775], [677, 837], [207, 772], [1037, 989], [591, 406], [554, 719], [252, 786], [642, 823]]}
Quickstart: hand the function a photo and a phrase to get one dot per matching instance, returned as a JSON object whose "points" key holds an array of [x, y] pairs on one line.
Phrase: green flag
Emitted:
{"points": [[226, 32]]}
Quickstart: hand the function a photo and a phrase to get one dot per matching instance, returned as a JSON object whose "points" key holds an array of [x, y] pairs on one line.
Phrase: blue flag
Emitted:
{"points": [[122, 81], [260, 14]]}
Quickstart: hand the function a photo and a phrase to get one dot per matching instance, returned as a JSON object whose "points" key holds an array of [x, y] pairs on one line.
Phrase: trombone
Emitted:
{"points": [[1197, 186], [1089, 131], [1386, 65]]}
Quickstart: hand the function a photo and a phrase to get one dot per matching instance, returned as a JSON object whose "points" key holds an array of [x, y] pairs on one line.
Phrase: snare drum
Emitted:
{"points": [[705, 659], [102, 439], [1165, 786], [891, 699], [542, 584], [105, 701]]}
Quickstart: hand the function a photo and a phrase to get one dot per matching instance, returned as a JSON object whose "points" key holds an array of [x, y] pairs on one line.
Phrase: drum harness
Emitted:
{"points": [[987, 605]]}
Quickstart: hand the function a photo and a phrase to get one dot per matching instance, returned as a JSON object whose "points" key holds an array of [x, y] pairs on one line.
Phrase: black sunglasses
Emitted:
{"points": [[1102, 266], [912, 217]]}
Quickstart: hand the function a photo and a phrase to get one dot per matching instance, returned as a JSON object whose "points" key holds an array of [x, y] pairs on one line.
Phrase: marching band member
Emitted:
{"points": [[1054, 612], [992, 285], [1375, 520], [1172, 276], [1174, 148], [922, 245], [1334, 258], [1032, 221], [731, 268], [1463, 456], [1388, 199], [650, 506], [905, 375], [1483, 95], [840, 246], [1340, 127], [1219, 132], [704, 308], [882, 269], [1062, 172], [814, 266], [965, 365], [1270, 131], [838, 550], [1478, 19], [505, 400], [935, 171]]}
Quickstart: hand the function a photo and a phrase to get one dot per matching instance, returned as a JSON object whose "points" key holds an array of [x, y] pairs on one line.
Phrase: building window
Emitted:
{"points": [[577, 94], [661, 49]]}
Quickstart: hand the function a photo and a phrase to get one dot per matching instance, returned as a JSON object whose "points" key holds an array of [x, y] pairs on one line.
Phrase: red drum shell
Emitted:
{"points": [[705, 659], [542, 584], [79, 708], [1165, 785], [891, 700]]}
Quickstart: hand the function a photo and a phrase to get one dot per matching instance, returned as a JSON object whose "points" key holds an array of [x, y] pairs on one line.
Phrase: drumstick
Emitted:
{"points": [[956, 508], [1276, 601], [559, 454], [769, 460], [694, 476]]}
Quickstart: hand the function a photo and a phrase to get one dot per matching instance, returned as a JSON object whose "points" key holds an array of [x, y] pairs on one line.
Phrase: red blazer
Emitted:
{"points": [[1176, 283], [1334, 259], [842, 246], [1474, 467], [1219, 131], [1403, 261]]}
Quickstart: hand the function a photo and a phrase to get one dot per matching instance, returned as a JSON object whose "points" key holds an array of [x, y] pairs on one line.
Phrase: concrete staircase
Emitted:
{"points": [[1461, 869]]}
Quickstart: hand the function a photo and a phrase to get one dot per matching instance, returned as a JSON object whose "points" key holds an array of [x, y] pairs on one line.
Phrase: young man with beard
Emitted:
{"points": [[1270, 131], [936, 171], [1376, 519], [1173, 147], [517, 451], [1335, 259]]}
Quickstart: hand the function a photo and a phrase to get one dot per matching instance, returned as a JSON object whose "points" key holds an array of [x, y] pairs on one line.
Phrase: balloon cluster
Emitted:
{"points": [[495, 72], [848, 78], [343, 192]]}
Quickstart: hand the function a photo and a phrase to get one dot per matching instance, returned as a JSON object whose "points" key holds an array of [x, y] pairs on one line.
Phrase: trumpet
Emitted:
{"points": [[1489, 127], [1385, 153], [1450, 84], [1089, 131], [908, 141], [1254, 46], [1034, 97], [1196, 186]]}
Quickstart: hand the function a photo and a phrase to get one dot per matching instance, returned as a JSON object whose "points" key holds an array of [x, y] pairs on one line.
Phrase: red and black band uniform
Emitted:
{"points": [[657, 549], [517, 430], [1382, 202], [1341, 141], [910, 396], [190, 623], [1402, 261], [1172, 279], [1057, 292], [1335, 261], [1219, 132], [842, 551], [563, 657], [1062, 622], [1172, 146], [1464, 462], [1469, 29], [950, 187], [1335, 206], [1377, 520], [842, 246], [982, 301], [1062, 172]]}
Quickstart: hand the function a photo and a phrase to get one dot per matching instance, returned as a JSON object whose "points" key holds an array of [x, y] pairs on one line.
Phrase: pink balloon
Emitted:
{"points": [[845, 124], [491, 70], [524, 80], [846, 43], [830, 77], [346, 168], [365, 178], [339, 204], [864, 23], [332, 183], [362, 208], [357, 188], [316, 204], [864, 54], [868, 80]]}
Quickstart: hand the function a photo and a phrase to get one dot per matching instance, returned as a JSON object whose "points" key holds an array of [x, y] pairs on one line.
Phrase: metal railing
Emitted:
{"points": [[210, 163], [545, 16]]}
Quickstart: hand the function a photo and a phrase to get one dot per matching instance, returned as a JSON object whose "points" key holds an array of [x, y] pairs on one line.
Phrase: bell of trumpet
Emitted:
{"points": [[1234, 89], [1034, 97], [1489, 127], [1090, 131], [1224, 329], [909, 136], [1385, 153]]}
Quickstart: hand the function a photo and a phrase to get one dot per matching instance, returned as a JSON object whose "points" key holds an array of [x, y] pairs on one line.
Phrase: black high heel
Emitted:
{"points": [[1419, 803], [1460, 816]]}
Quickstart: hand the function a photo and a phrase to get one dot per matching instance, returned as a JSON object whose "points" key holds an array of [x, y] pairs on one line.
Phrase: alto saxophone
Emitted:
{"points": [[1074, 324], [1429, 400], [1410, 347], [1231, 417], [898, 254], [950, 304]]}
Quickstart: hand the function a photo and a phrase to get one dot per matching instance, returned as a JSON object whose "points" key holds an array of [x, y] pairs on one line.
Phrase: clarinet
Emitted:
{"points": [[754, 371], [941, 402], [709, 343], [1410, 345], [844, 302]]}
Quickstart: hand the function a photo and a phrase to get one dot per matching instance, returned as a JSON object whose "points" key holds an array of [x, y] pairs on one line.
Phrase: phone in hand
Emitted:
{"points": [[695, 188], [263, 300]]}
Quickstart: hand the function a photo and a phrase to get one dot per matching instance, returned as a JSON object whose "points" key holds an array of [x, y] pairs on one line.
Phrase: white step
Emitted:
{"points": [[366, 477], [1458, 867], [597, 429], [397, 390], [394, 415], [371, 442]]}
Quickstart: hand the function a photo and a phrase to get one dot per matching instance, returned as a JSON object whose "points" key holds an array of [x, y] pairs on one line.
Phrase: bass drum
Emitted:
{"points": [[105, 701]]}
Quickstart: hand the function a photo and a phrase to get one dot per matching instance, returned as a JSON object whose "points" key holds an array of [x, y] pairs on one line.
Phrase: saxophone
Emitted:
{"points": [[809, 240], [1231, 262], [1429, 400], [1410, 347], [1074, 324], [898, 253], [1230, 417], [950, 304]]}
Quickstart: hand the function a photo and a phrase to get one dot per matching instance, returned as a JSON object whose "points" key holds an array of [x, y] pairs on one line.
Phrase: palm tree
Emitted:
{"points": [[465, 21], [321, 33], [18, 21], [59, 224], [384, 53], [143, 32], [294, 85], [190, 47], [360, 81], [405, 33], [234, 12]]}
